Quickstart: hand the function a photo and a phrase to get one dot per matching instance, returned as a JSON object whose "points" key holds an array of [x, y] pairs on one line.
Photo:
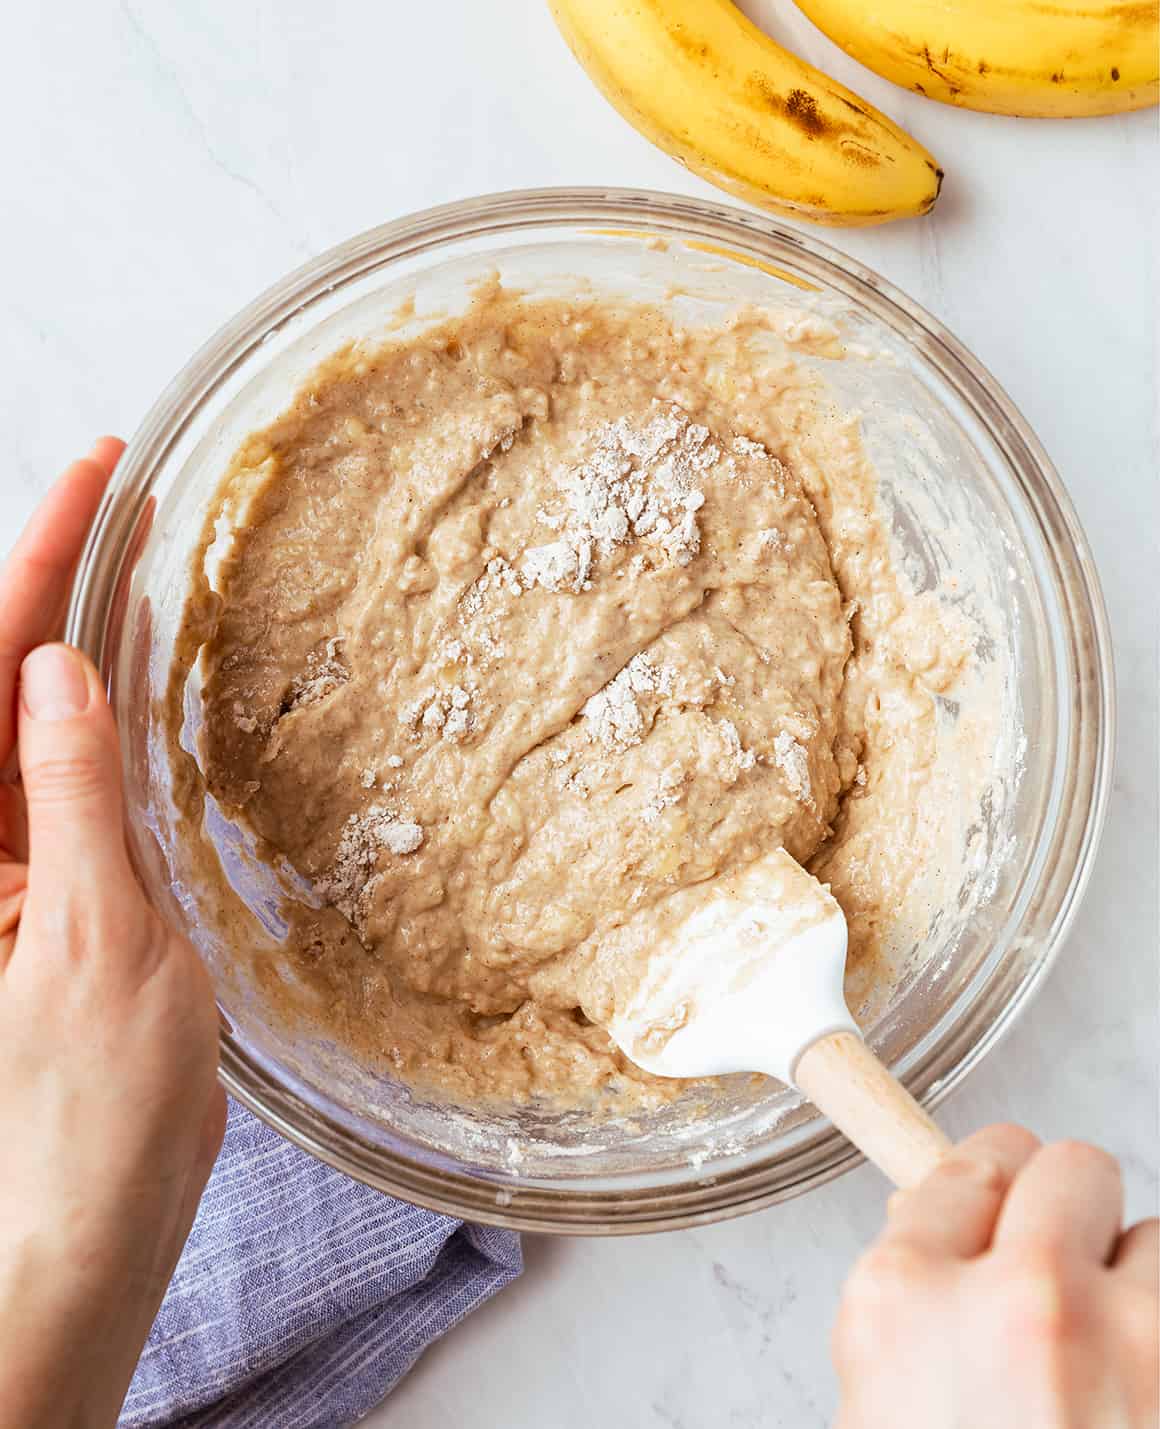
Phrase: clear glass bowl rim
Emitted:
{"points": [[573, 1207]]}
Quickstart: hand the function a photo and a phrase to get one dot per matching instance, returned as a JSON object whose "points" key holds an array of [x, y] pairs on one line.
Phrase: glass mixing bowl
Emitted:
{"points": [[966, 449]]}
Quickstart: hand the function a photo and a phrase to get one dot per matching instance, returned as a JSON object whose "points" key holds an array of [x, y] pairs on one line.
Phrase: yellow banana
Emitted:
{"points": [[708, 87], [1047, 58]]}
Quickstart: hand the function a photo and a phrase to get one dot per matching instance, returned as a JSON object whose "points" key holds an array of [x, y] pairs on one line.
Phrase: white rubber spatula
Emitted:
{"points": [[751, 981]]}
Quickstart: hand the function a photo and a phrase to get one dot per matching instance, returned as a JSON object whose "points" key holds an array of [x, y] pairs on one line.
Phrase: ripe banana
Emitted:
{"points": [[704, 84], [1029, 57]]}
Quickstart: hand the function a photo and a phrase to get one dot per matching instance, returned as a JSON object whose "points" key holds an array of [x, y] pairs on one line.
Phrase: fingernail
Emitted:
{"points": [[53, 684]]}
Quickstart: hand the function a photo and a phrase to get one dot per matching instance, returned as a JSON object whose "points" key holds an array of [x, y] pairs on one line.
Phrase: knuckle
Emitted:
{"points": [[1038, 1304], [981, 1170], [1077, 1157], [885, 1272], [1009, 1136], [987, 1174], [880, 1296], [1139, 1318], [66, 779], [1037, 1260]]}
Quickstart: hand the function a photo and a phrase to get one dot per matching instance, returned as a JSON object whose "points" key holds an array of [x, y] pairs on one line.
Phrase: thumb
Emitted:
{"points": [[71, 767]]}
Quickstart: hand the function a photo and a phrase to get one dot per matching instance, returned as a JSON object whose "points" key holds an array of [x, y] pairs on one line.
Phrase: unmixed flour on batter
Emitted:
{"points": [[529, 624]]}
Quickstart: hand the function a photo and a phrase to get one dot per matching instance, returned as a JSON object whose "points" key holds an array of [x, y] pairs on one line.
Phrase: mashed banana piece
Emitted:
{"points": [[527, 624]]}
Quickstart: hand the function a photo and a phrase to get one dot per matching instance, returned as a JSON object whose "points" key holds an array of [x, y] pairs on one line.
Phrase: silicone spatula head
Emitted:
{"points": [[750, 980], [746, 982]]}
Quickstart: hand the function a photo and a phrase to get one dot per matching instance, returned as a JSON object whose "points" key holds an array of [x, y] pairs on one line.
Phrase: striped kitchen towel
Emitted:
{"points": [[302, 1296]]}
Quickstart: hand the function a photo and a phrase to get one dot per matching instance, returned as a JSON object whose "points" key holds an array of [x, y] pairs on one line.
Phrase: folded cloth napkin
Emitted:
{"points": [[302, 1297]]}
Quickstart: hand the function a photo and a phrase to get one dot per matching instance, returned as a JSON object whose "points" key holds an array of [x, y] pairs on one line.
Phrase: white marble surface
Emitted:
{"points": [[168, 158]]}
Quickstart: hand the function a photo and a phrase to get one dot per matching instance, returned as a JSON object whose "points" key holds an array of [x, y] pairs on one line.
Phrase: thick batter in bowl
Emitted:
{"points": [[977, 524]]}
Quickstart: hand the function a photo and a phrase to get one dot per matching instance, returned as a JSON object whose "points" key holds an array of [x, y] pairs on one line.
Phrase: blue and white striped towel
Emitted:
{"points": [[303, 1297]]}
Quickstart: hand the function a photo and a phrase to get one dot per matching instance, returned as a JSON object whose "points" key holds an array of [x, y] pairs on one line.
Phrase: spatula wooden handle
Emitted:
{"points": [[847, 1082]]}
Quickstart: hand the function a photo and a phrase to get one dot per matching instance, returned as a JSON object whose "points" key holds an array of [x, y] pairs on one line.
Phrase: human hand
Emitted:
{"points": [[110, 1113], [1003, 1295]]}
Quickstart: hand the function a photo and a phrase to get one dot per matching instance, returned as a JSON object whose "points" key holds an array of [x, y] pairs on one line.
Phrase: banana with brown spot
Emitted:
{"points": [[1036, 58], [707, 86]]}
